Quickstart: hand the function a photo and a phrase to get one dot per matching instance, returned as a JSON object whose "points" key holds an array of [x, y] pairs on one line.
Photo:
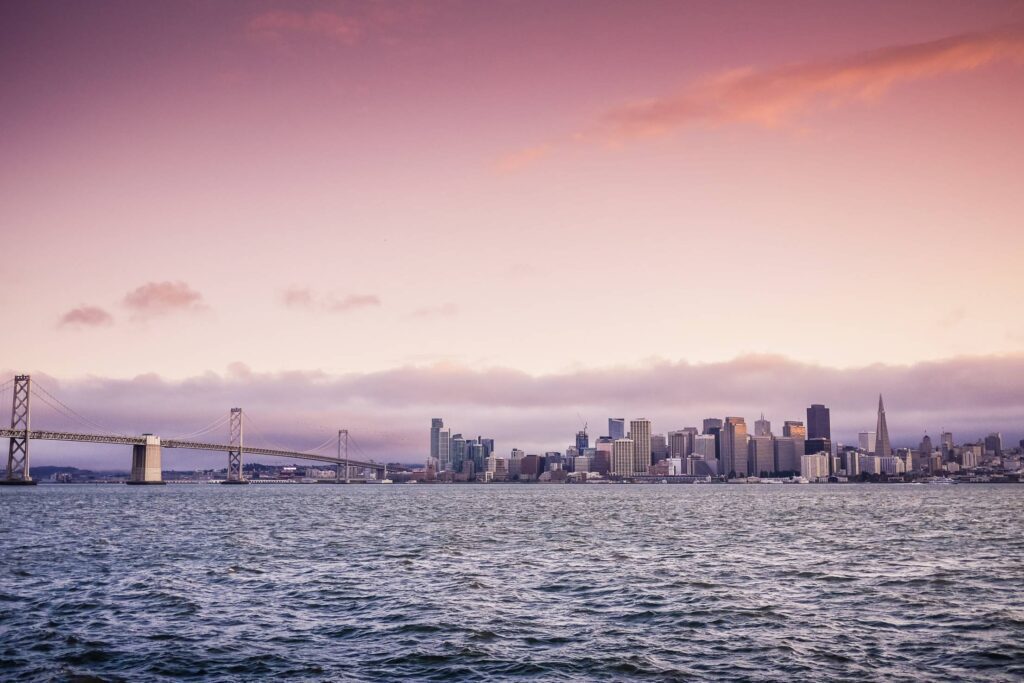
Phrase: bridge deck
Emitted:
{"points": [[178, 443]]}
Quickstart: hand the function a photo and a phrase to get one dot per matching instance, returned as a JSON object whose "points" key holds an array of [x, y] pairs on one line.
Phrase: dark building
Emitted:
{"points": [[713, 426], [818, 424], [530, 466], [815, 446], [582, 441], [616, 427]]}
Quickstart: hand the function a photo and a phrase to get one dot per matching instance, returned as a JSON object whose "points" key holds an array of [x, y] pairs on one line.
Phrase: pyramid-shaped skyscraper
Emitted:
{"points": [[882, 446]]}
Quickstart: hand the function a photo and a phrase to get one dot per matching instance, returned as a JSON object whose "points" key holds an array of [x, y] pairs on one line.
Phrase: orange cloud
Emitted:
{"points": [[769, 96], [522, 158], [88, 316]]}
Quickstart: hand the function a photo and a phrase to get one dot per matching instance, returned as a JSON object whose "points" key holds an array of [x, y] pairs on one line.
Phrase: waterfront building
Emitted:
{"points": [[734, 447], [814, 466], [581, 463], [514, 458], [623, 458], [994, 444], [819, 425], [616, 428], [891, 465], [870, 464], [640, 433], [882, 446], [760, 456], [762, 427], [866, 441], [925, 448], [946, 443]]}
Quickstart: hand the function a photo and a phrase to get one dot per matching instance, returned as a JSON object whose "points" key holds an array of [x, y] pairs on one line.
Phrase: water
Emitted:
{"points": [[497, 582]]}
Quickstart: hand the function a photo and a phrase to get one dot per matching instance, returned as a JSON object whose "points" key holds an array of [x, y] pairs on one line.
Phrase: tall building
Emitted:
{"points": [[734, 447], [994, 444], [760, 455], [458, 455], [436, 425], [866, 441], [640, 433], [602, 462], [819, 426], [788, 451], [795, 429], [926, 446], [444, 449], [713, 426], [680, 442], [623, 458], [883, 448], [616, 428], [582, 441], [659, 447], [762, 427]]}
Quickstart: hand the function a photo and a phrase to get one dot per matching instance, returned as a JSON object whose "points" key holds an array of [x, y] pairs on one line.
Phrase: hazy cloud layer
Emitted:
{"points": [[160, 298], [389, 412], [447, 310], [305, 298], [86, 316], [281, 24]]}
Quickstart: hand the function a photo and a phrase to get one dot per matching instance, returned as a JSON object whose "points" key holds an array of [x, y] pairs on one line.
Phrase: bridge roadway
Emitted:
{"points": [[179, 443]]}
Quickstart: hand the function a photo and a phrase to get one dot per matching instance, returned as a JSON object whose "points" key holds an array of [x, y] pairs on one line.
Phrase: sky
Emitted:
{"points": [[368, 214]]}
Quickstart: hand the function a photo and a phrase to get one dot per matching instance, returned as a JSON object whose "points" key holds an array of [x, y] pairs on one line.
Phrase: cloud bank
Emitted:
{"points": [[304, 298], [389, 412]]}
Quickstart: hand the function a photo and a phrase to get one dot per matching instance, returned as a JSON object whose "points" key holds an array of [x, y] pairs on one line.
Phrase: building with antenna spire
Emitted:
{"points": [[883, 448]]}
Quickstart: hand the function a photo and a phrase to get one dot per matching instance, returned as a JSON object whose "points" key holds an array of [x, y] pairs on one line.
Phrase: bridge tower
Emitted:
{"points": [[342, 438], [235, 449], [17, 452]]}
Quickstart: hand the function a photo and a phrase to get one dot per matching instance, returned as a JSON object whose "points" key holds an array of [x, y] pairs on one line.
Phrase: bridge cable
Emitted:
{"points": [[71, 412]]}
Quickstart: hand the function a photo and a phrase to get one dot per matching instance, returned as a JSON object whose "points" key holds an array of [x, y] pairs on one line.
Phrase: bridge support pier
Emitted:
{"points": [[17, 451], [146, 462]]}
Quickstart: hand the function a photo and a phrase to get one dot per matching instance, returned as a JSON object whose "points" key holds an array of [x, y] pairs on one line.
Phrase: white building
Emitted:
{"points": [[814, 467], [623, 457]]}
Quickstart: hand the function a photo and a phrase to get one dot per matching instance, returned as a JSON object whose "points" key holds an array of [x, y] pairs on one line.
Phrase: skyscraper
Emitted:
{"points": [[795, 429], [762, 427], [640, 433], [883, 448], [734, 447], [788, 451], [994, 444], [659, 447], [616, 428], [436, 425], [582, 441], [713, 426], [760, 455], [444, 449], [680, 442], [866, 441], [623, 458], [818, 424]]}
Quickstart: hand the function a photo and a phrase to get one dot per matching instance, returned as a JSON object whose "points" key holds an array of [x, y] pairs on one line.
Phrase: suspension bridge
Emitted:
{"points": [[147, 449]]}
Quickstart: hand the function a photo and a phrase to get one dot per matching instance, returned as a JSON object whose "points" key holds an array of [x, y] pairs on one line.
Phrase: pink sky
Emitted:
{"points": [[550, 188]]}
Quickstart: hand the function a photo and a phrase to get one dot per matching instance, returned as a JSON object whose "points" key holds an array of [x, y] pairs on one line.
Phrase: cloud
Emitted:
{"points": [[161, 298], [279, 25], [305, 298], [86, 316], [388, 412], [771, 97], [447, 310]]}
